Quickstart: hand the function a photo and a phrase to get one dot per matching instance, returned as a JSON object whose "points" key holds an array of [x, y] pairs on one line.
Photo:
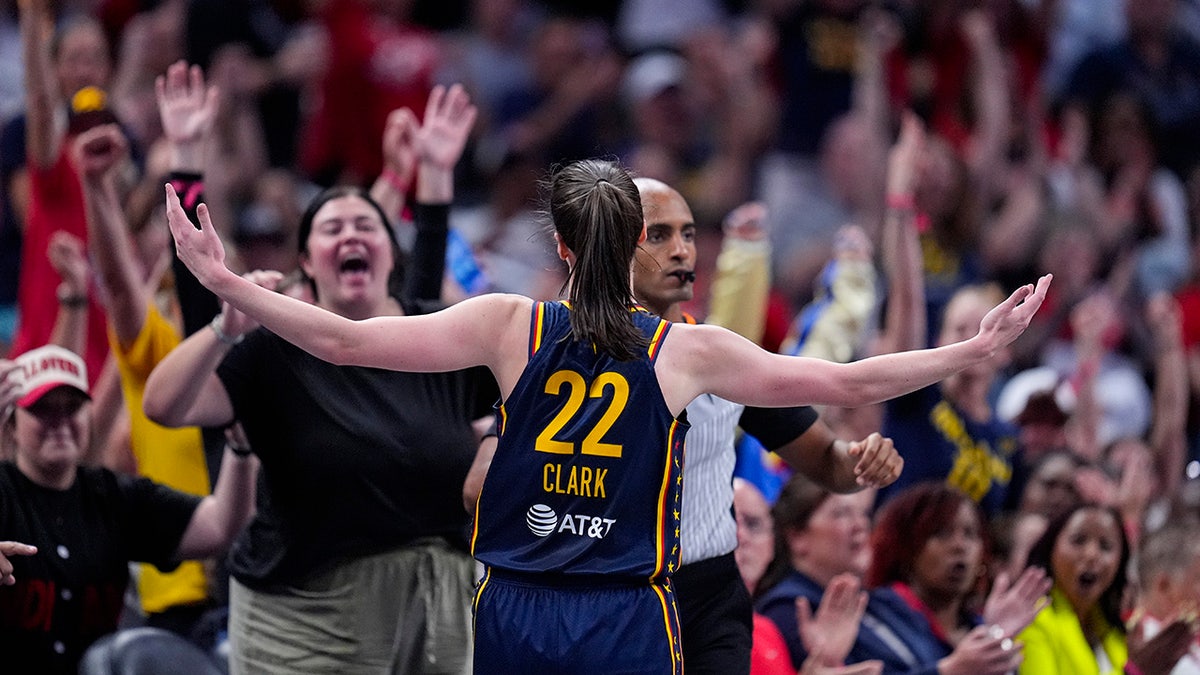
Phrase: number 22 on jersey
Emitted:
{"points": [[577, 390]]}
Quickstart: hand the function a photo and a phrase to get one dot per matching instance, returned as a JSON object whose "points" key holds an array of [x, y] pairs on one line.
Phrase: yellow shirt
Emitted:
{"points": [[173, 457], [1055, 645]]}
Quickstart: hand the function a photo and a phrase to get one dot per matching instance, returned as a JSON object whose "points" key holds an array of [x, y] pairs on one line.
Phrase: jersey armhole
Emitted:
{"points": [[537, 325], [656, 340]]}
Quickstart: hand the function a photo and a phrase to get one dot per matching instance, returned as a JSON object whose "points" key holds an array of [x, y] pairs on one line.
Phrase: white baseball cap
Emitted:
{"points": [[46, 368]]}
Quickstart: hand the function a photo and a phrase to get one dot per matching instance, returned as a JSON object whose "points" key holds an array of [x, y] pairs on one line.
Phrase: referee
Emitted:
{"points": [[714, 605]]}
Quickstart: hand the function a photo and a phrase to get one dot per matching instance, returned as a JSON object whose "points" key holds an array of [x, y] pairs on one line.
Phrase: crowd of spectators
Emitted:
{"points": [[916, 159]]}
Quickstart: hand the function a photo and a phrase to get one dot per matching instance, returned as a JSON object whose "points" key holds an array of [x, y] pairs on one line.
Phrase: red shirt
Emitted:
{"points": [[769, 655], [55, 203], [376, 64]]}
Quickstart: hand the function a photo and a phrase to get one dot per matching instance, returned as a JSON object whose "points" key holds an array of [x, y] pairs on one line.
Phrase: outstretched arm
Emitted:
{"points": [[471, 333], [699, 359], [69, 259]]}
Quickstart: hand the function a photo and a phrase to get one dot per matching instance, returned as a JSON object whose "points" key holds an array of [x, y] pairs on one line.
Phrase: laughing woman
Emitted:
{"points": [[355, 560]]}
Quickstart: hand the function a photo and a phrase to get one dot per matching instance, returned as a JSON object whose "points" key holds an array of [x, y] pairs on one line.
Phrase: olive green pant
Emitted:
{"points": [[404, 611]]}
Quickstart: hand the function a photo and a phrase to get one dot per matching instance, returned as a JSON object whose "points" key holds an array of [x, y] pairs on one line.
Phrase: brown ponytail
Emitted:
{"points": [[597, 212]]}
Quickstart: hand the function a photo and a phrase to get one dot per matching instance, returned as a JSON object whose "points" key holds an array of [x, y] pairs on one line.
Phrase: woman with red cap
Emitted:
{"points": [[78, 527]]}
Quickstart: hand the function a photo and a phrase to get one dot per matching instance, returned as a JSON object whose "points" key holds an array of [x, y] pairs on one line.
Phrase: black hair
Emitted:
{"points": [[596, 210], [396, 278], [1110, 600]]}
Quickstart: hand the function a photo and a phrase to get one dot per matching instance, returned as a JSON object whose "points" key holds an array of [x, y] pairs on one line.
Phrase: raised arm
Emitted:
{"points": [[1168, 431], [390, 189], [438, 144], [738, 297], [187, 108], [991, 94], [905, 324], [44, 128], [449, 118], [698, 359], [99, 153], [68, 258]]}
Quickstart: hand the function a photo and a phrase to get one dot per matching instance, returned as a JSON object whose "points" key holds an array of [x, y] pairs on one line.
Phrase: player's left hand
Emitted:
{"points": [[198, 247], [879, 463]]}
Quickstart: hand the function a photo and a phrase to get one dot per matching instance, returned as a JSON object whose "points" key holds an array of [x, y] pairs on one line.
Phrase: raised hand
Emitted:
{"points": [[449, 118], [68, 257], [1010, 318], [1159, 654], [747, 222], [903, 157], [978, 29], [851, 242], [831, 633], [185, 105], [99, 151], [7, 550], [400, 145], [1012, 606], [199, 248], [1163, 315]]}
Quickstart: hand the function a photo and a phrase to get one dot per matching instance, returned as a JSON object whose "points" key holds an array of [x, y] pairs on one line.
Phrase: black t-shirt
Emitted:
{"points": [[71, 591], [355, 461]]}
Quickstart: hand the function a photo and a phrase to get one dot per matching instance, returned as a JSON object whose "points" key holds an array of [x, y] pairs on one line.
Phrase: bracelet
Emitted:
{"points": [[224, 339], [398, 184], [238, 450], [73, 301]]}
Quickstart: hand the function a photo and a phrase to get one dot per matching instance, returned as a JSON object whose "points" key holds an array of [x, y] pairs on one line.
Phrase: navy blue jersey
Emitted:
{"points": [[586, 477]]}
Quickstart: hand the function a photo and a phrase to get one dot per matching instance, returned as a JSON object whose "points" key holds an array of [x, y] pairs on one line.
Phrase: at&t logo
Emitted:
{"points": [[543, 521]]}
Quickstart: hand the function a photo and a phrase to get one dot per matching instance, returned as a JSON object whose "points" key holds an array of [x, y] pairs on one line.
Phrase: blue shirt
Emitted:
{"points": [[587, 475], [940, 443]]}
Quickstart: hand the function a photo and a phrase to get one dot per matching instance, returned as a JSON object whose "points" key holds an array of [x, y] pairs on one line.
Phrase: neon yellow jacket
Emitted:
{"points": [[1055, 645]]}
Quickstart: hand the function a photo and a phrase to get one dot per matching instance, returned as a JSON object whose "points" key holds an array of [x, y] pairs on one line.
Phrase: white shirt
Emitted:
{"points": [[707, 526]]}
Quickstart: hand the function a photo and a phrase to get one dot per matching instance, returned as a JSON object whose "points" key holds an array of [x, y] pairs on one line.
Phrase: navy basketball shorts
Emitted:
{"points": [[531, 624]]}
